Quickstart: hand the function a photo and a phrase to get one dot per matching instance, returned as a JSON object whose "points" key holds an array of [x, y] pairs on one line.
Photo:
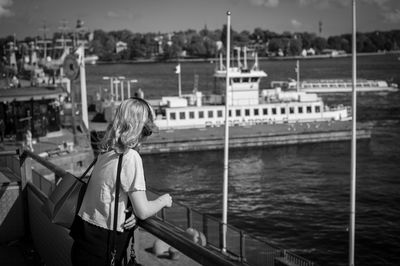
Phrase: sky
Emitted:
{"points": [[29, 17]]}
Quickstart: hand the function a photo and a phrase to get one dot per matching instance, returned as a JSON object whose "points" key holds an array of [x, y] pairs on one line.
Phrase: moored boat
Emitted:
{"points": [[336, 85], [333, 85], [248, 105]]}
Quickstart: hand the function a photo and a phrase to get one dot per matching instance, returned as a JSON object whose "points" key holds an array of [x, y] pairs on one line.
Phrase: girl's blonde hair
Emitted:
{"points": [[133, 122]]}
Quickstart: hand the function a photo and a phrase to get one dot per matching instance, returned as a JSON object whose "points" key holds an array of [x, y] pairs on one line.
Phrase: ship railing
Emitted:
{"points": [[170, 225]]}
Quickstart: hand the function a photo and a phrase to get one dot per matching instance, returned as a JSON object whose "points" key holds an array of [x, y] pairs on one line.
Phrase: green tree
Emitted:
{"points": [[320, 44], [295, 47]]}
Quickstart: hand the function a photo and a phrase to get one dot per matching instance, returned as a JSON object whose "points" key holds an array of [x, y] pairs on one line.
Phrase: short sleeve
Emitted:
{"points": [[132, 173]]}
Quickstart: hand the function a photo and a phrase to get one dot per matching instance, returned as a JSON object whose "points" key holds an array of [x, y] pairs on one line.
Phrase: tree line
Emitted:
{"points": [[209, 43]]}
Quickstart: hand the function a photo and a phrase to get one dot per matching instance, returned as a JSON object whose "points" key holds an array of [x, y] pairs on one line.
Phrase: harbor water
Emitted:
{"points": [[296, 197]]}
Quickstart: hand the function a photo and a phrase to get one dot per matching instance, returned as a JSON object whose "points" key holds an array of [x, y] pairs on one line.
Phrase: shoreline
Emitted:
{"points": [[264, 58]]}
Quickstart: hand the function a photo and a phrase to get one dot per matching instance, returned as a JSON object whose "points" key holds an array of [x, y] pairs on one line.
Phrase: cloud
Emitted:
{"points": [[392, 16], [120, 15], [295, 23], [380, 3], [112, 14], [266, 3], [324, 4], [4, 8]]}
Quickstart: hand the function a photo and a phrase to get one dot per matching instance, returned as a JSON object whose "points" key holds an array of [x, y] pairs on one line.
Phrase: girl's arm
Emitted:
{"points": [[143, 208]]}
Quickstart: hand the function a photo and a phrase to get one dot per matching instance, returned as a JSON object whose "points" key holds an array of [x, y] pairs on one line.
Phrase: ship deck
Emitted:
{"points": [[212, 138]]}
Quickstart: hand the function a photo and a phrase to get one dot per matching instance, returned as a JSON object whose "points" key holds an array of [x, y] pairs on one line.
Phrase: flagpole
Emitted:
{"points": [[353, 145], [298, 75], [226, 145], [179, 80]]}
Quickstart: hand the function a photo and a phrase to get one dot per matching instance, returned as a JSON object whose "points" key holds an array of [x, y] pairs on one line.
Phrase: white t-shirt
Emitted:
{"points": [[98, 203]]}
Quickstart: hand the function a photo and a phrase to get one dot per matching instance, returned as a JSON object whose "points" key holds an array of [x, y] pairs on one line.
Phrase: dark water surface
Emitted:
{"points": [[296, 197]]}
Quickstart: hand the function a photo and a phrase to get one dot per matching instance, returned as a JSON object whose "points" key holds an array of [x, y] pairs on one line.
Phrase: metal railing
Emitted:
{"points": [[242, 247], [169, 225], [155, 226]]}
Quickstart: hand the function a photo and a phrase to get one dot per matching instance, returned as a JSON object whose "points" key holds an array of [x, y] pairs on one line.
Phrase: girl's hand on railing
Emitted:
{"points": [[166, 199]]}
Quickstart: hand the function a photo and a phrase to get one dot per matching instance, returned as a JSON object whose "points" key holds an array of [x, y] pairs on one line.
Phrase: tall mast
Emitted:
{"points": [[353, 145], [226, 145]]}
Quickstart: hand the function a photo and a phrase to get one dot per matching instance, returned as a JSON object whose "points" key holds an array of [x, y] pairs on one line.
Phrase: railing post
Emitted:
{"points": [[221, 236], [163, 216], [242, 247], [189, 217], [25, 163], [205, 226], [26, 170]]}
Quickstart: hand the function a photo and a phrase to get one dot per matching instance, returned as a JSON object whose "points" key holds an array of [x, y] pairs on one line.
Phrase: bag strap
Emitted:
{"points": [[87, 170], [117, 188]]}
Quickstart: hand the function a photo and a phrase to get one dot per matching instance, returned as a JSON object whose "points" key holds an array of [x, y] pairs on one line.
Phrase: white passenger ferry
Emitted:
{"points": [[247, 104]]}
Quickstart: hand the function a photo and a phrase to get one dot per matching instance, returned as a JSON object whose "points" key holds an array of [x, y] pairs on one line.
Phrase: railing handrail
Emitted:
{"points": [[58, 171], [11, 152]]}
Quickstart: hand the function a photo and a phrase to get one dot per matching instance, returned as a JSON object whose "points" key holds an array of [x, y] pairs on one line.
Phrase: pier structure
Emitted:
{"points": [[24, 192]]}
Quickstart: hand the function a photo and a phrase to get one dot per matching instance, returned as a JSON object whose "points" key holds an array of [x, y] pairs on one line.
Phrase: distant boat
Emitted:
{"points": [[333, 85], [336, 85]]}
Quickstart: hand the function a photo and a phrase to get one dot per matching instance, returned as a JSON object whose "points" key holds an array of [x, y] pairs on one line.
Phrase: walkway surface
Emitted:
{"points": [[19, 253], [22, 253]]}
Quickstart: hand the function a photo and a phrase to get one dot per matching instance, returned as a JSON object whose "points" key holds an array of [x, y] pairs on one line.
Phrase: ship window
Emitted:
{"points": [[291, 110], [236, 80], [172, 116], [265, 111], [245, 80], [274, 111], [238, 112], [254, 79], [341, 85], [317, 109], [210, 114], [182, 115], [367, 85], [283, 110], [219, 113], [308, 109], [256, 112], [300, 111], [201, 114], [191, 115], [247, 112], [230, 113]]}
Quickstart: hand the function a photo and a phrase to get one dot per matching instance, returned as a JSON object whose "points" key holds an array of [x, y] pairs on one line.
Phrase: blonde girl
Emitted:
{"points": [[132, 124]]}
